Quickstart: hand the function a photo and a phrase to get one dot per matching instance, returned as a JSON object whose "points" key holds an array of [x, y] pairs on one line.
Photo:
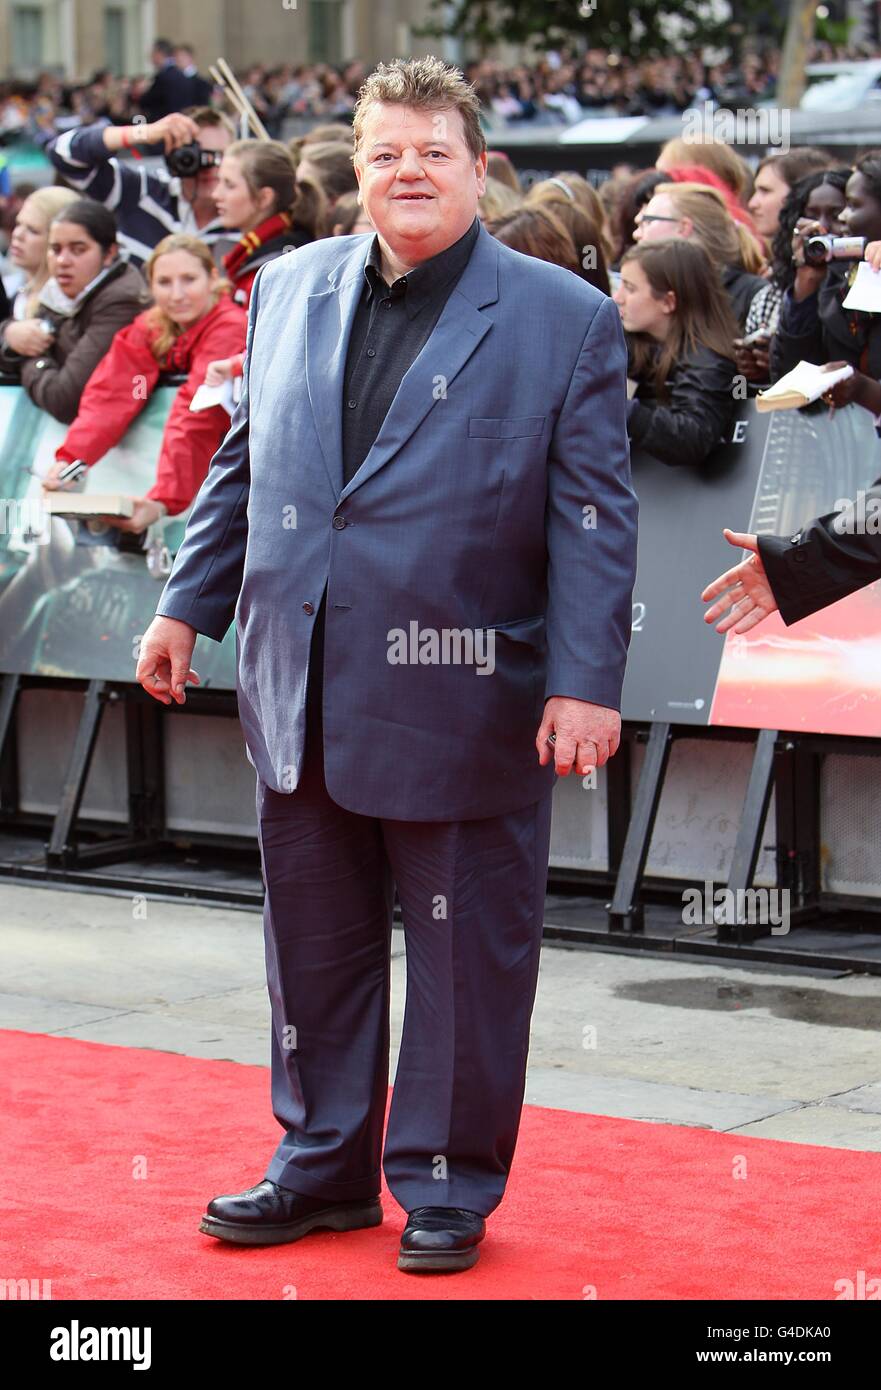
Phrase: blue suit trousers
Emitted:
{"points": [[472, 898]]}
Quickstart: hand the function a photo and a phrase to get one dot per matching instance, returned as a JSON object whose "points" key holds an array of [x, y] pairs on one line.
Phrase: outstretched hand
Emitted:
{"points": [[746, 590]]}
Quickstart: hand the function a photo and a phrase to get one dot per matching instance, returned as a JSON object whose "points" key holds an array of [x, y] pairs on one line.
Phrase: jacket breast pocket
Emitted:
{"points": [[500, 427]]}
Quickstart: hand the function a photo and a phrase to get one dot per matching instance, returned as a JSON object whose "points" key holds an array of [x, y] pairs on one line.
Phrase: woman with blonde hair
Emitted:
{"points": [[29, 251], [497, 200], [697, 212], [192, 322]]}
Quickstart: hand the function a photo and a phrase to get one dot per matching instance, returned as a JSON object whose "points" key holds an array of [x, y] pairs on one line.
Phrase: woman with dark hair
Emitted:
{"points": [[820, 197], [679, 326], [774, 180], [90, 294], [813, 325]]}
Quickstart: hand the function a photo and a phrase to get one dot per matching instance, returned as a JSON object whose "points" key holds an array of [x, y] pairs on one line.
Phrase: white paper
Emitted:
{"points": [[809, 379], [865, 292], [207, 396]]}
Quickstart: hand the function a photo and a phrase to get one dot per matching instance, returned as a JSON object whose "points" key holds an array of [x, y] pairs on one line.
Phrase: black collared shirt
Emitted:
{"points": [[392, 325]]}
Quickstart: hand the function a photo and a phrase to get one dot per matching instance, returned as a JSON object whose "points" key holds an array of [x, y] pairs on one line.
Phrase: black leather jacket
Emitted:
{"points": [[697, 415]]}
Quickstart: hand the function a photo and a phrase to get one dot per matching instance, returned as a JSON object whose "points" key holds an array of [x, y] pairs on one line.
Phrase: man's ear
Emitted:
{"points": [[481, 174]]}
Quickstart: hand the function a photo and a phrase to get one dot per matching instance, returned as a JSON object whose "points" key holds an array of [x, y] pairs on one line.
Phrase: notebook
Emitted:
{"points": [[805, 383]]}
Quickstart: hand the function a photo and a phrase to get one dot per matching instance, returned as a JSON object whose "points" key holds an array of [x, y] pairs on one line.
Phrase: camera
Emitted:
{"points": [[820, 249], [189, 160]]}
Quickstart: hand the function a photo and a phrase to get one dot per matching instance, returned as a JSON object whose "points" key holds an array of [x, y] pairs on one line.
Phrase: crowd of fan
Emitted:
{"points": [[557, 87], [119, 271]]}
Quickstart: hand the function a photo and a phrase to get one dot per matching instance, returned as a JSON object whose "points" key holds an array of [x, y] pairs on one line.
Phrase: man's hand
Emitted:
{"points": [[164, 662], [749, 590], [586, 735], [173, 130]]}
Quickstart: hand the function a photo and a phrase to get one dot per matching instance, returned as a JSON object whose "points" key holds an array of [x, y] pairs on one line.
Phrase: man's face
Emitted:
{"points": [[211, 137], [418, 182]]}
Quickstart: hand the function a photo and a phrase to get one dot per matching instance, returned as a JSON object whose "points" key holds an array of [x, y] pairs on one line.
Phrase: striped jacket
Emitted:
{"points": [[148, 203]]}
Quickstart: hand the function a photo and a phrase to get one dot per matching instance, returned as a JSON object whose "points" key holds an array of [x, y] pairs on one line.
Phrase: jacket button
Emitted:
{"points": [[339, 523], [307, 608]]}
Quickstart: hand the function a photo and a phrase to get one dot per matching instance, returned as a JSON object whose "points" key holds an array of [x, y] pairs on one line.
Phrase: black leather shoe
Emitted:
{"points": [[271, 1215], [441, 1239]]}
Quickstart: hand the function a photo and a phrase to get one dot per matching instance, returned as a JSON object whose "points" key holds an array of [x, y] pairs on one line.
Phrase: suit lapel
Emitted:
{"points": [[457, 333], [329, 318]]}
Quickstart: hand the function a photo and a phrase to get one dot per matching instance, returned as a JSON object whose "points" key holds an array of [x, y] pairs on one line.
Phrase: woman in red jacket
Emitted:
{"points": [[192, 322]]}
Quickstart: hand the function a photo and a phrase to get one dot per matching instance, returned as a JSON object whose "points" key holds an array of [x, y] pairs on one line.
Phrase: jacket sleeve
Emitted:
{"points": [[698, 415], [114, 395], [206, 579], [84, 161], [591, 568], [58, 386], [815, 329], [799, 335], [10, 360], [191, 438], [88, 166], [827, 560]]}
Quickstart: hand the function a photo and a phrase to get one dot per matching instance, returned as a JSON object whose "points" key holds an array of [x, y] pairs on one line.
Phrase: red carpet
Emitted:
{"points": [[631, 1209]]}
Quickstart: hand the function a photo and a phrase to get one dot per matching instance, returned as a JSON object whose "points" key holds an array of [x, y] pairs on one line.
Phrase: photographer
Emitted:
{"points": [[818, 197], [814, 326], [150, 205]]}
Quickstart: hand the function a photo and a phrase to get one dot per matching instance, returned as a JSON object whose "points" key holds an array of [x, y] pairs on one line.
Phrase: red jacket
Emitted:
{"points": [[111, 400]]}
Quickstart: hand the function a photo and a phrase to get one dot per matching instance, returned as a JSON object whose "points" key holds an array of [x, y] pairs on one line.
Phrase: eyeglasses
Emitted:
{"points": [[653, 217]]}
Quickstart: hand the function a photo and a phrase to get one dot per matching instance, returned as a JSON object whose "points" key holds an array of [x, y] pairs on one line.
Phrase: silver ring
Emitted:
{"points": [[552, 738]]}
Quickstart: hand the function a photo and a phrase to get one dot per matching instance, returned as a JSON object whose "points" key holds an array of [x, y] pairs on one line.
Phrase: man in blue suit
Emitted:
{"points": [[422, 523]]}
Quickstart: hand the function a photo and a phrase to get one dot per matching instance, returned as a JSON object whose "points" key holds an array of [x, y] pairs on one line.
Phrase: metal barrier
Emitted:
{"points": [[98, 784]]}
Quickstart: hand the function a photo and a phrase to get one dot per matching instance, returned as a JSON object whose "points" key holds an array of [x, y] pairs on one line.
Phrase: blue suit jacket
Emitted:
{"points": [[468, 578]]}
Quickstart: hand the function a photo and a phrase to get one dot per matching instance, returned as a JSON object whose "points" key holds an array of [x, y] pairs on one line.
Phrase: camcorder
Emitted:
{"points": [[820, 249], [189, 160]]}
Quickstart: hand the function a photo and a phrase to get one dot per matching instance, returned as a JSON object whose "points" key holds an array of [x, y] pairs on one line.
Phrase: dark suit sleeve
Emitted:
{"points": [[827, 560], [206, 579], [591, 561]]}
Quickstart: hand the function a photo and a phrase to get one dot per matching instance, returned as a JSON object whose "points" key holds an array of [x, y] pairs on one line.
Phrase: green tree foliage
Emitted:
{"points": [[614, 24]]}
